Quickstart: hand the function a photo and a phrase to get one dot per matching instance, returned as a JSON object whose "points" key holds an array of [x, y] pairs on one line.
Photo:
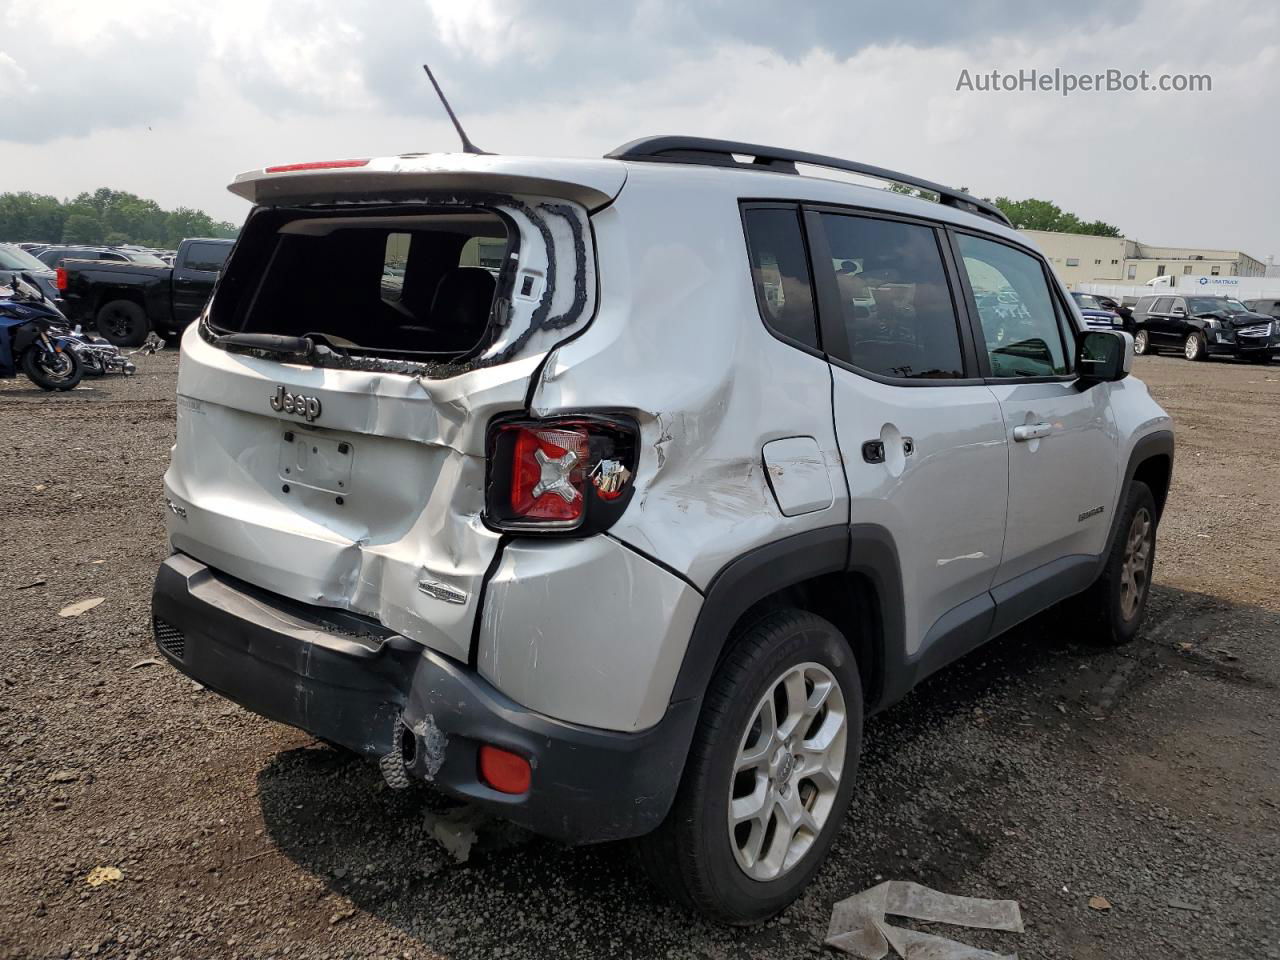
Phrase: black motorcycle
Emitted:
{"points": [[33, 338]]}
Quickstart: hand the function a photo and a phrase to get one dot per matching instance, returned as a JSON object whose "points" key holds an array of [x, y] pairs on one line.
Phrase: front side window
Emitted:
{"points": [[1020, 322], [895, 303], [780, 272]]}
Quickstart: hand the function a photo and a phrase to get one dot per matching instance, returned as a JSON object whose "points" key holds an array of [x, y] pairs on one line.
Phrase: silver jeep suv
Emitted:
{"points": [[612, 495]]}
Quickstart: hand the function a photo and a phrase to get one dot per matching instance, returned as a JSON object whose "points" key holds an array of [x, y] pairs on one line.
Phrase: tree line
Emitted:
{"points": [[1031, 214], [103, 217]]}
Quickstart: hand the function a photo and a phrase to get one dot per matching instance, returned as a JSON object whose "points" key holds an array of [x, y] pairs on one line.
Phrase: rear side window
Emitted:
{"points": [[896, 307], [780, 272], [1020, 322], [207, 256]]}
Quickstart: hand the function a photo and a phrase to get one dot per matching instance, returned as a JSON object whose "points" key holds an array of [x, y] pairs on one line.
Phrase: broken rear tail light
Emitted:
{"points": [[570, 474]]}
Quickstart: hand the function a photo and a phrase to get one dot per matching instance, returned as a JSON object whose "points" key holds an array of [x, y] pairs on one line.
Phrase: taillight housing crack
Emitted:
{"points": [[569, 475]]}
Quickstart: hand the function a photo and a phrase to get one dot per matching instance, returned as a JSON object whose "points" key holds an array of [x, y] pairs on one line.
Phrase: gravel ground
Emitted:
{"points": [[1037, 769]]}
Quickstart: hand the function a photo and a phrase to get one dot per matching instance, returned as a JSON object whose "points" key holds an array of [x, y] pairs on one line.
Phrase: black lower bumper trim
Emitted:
{"points": [[341, 678]]}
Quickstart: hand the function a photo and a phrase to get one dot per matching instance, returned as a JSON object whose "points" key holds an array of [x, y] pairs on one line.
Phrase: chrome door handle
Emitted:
{"points": [[1031, 431]]}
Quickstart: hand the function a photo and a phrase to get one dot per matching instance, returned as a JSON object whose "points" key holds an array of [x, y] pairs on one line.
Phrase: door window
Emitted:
{"points": [[896, 309], [1161, 305], [780, 272], [1021, 322]]}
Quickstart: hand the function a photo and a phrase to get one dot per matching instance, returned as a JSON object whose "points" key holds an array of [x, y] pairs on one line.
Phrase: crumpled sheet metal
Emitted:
{"points": [[858, 924]]}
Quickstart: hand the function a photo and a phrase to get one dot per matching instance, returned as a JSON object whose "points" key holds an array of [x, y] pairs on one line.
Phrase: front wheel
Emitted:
{"points": [[60, 370], [1195, 347], [1141, 343], [123, 323], [1113, 608], [769, 774]]}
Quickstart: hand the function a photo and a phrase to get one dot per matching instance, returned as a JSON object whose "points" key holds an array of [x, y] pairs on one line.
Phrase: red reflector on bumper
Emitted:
{"points": [[317, 165], [505, 771]]}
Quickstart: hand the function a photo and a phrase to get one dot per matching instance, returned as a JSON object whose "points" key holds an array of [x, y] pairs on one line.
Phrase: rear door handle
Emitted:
{"points": [[1031, 431]]}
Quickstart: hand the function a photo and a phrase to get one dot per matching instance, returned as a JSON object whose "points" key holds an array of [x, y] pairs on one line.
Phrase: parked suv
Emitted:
{"points": [[1202, 327], [1268, 306], [628, 540]]}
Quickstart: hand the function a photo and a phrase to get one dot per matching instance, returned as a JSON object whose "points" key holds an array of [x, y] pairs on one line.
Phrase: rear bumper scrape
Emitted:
{"points": [[356, 684]]}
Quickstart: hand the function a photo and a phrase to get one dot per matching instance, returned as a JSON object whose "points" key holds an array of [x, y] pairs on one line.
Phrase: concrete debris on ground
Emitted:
{"points": [[858, 924], [80, 606], [459, 829], [100, 875]]}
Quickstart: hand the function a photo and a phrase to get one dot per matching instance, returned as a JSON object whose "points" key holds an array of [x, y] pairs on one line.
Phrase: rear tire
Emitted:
{"points": [[123, 323], [1142, 343], [774, 754], [1195, 347], [1113, 608]]}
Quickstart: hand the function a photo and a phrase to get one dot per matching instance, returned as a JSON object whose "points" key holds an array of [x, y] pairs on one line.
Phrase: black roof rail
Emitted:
{"points": [[721, 153]]}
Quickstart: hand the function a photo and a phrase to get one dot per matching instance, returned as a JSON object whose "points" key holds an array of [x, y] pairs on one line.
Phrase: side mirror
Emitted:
{"points": [[1103, 356], [1178, 312]]}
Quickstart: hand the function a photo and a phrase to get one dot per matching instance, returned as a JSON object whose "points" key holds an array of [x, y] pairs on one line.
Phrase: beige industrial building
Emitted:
{"points": [[1081, 258]]}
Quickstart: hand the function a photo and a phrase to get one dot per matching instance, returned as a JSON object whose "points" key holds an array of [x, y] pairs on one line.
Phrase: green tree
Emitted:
{"points": [[103, 216], [82, 228], [1032, 214]]}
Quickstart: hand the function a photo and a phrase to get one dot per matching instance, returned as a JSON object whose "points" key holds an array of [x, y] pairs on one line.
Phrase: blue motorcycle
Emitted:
{"points": [[33, 338]]}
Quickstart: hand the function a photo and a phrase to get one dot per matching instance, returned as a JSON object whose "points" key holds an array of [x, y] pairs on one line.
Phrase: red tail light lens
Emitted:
{"points": [[567, 474], [61, 278], [546, 472]]}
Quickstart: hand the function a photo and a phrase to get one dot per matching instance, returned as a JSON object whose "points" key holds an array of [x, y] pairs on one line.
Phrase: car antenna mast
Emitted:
{"points": [[467, 145]]}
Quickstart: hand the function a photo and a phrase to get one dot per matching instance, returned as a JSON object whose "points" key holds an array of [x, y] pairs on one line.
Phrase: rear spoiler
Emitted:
{"points": [[591, 183]]}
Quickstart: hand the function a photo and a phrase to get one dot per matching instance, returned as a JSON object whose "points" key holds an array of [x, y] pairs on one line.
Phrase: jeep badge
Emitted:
{"points": [[296, 403]]}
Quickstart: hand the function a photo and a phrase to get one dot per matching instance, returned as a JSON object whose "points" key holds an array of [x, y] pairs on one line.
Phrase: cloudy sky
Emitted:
{"points": [[171, 100]]}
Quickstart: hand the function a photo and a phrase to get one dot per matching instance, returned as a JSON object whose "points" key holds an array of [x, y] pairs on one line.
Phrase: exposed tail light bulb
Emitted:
{"points": [[610, 478]]}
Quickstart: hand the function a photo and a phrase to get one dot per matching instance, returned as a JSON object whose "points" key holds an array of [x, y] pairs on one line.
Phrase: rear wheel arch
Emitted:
{"points": [[118, 293], [847, 575]]}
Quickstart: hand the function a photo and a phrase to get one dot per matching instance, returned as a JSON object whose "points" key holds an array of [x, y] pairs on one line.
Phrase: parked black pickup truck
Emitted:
{"points": [[126, 301]]}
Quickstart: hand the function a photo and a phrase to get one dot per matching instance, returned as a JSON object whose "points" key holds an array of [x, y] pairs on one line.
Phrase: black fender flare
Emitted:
{"points": [[866, 549], [1158, 443]]}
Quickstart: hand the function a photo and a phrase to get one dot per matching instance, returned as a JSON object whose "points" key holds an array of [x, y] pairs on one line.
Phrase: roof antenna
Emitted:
{"points": [[467, 145]]}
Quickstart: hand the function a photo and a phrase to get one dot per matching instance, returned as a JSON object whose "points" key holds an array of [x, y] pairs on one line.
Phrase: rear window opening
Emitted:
{"points": [[432, 287], [425, 286]]}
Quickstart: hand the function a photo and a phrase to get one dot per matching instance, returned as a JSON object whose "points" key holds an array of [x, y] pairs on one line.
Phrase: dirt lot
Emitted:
{"points": [[1038, 769]]}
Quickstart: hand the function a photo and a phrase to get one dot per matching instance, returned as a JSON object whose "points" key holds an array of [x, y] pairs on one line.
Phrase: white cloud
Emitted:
{"points": [[280, 80]]}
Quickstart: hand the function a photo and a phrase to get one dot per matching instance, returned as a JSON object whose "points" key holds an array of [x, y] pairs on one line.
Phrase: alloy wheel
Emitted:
{"points": [[1192, 347], [787, 771], [1135, 564], [1140, 342]]}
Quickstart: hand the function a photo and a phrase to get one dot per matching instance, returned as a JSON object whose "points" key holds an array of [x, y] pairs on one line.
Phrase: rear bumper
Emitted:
{"points": [[356, 684]]}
